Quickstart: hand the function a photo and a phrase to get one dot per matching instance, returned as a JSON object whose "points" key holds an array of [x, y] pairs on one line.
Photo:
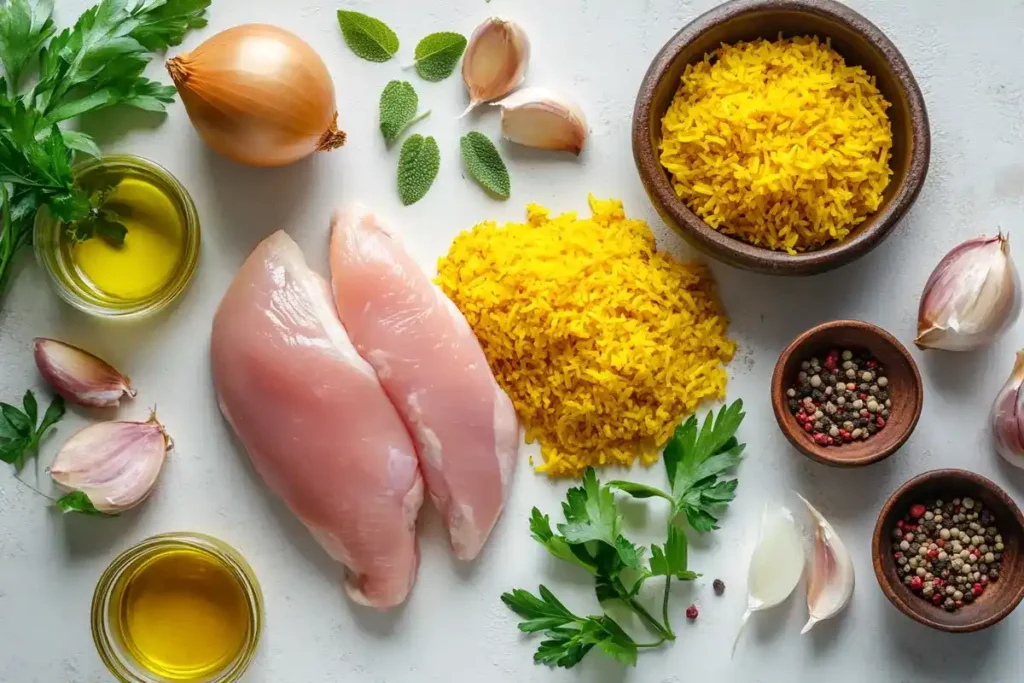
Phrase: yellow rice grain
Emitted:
{"points": [[780, 143], [602, 343]]}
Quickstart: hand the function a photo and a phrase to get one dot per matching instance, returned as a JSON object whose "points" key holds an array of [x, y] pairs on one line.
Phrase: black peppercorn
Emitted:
{"points": [[719, 586]]}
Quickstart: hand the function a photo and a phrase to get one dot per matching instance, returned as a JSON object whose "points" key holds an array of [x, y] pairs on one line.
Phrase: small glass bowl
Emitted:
{"points": [[109, 644], [63, 273]]}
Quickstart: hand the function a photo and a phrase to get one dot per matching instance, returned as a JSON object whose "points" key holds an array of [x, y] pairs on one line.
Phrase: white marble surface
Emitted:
{"points": [[965, 56]]}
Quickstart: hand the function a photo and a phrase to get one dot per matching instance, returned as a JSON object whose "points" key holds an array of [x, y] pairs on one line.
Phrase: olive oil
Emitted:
{"points": [[137, 248], [153, 246], [181, 614]]}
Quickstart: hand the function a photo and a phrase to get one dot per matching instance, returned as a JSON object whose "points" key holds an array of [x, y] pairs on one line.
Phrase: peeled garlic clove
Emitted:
{"points": [[115, 464], [776, 564], [972, 297], [1008, 417], [830, 581], [495, 61], [79, 376], [536, 117]]}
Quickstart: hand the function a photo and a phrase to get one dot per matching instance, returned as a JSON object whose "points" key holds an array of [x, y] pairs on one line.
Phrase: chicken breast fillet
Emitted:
{"points": [[316, 423], [433, 369]]}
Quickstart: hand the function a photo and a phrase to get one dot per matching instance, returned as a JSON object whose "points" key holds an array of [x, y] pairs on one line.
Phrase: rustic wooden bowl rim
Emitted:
{"points": [[733, 250], [880, 538], [831, 455]]}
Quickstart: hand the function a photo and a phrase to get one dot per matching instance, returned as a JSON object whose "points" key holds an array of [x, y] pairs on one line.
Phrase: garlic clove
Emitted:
{"points": [[776, 564], [972, 297], [536, 117], [79, 376], [1007, 417], [830, 580], [115, 464], [495, 61]]}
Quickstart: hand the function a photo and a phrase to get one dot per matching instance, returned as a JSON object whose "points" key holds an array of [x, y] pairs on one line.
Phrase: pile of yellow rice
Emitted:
{"points": [[602, 343], [780, 143]]}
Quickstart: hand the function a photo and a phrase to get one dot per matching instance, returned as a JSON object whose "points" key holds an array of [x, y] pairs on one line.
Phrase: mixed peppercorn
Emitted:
{"points": [[843, 399], [948, 552]]}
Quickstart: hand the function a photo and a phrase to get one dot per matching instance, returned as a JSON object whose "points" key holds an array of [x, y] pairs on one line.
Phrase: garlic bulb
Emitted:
{"points": [[830, 582], [536, 117], [776, 564], [495, 62], [972, 297], [1008, 417], [79, 376], [115, 464]]}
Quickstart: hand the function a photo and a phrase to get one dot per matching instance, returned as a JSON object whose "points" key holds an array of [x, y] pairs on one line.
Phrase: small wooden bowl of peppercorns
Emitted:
{"points": [[946, 551], [846, 393]]}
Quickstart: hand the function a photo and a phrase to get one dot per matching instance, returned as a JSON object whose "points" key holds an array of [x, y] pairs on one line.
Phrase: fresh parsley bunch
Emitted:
{"points": [[95, 64], [591, 539]]}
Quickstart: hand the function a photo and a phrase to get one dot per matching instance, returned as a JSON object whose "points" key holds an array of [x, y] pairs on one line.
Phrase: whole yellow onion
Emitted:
{"points": [[259, 95]]}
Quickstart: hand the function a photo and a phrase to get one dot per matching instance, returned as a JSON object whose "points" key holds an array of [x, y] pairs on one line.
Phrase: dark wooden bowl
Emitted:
{"points": [[1000, 598], [905, 390], [860, 43]]}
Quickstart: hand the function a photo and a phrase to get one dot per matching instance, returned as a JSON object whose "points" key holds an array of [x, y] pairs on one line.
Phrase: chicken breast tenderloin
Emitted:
{"points": [[315, 421], [433, 369]]}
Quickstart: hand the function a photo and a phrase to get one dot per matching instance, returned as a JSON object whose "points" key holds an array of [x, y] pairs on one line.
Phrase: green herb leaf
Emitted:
{"points": [[568, 637], [52, 416], [670, 559], [694, 461], [398, 104], [12, 450], [485, 164], [417, 168], [24, 27], [28, 403], [76, 501], [368, 37], [540, 529], [17, 419], [80, 142], [438, 54]]}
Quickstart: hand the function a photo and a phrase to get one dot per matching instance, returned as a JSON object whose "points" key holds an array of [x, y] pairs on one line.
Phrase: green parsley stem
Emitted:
{"points": [[653, 623], [656, 643], [664, 605]]}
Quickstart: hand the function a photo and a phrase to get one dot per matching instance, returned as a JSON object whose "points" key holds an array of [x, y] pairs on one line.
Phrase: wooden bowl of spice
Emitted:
{"points": [[748, 158], [946, 551], [846, 393]]}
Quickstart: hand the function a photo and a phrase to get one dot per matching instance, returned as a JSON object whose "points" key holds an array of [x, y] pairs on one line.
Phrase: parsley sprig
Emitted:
{"points": [[696, 457], [95, 64], [21, 431]]}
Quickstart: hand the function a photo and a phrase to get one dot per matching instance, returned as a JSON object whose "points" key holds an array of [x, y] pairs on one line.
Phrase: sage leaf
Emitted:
{"points": [[438, 54], [368, 37], [485, 164], [76, 501], [398, 104], [418, 164]]}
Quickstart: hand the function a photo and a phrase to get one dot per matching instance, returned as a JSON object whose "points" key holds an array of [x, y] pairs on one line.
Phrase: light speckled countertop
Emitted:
{"points": [[965, 57]]}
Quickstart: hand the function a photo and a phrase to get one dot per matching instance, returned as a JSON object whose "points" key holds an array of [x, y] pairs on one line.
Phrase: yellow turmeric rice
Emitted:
{"points": [[780, 143], [602, 343]]}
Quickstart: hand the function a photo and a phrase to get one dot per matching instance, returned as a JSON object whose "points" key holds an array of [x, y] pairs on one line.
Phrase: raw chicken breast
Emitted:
{"points": [[431, 365], [316, 422]]}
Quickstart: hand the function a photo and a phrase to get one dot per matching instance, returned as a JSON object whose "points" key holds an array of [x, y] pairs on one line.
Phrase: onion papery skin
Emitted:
{"points": [[258, 95]]}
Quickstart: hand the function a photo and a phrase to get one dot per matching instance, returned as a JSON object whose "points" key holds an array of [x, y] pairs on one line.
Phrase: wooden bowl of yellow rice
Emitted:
{"points": [[824, 243]]}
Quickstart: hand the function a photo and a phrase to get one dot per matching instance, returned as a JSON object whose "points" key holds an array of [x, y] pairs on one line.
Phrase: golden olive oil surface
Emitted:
{"points": [[153, 248], [182, 614]]}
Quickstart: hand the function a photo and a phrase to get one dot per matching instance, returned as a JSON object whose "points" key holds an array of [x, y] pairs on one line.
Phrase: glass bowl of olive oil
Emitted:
{"points": [[181, 607], [137, 251]]}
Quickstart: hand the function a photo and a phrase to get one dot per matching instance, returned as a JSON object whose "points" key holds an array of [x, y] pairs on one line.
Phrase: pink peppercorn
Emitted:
{"points": [[977, 589], [691, 612], [940, 543], [880, 422], [916, 583], [917, 511], [808, 426], [936, 599]]}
